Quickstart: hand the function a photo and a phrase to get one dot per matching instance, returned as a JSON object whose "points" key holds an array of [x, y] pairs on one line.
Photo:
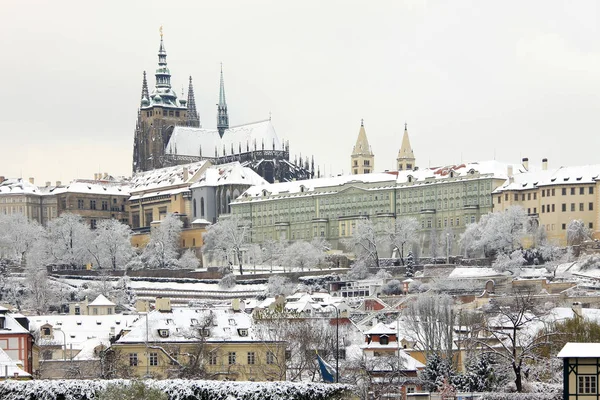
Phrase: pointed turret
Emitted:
{"points": [[406, 157], [362, 158], [163, 93], [222, 115], [145, 96], [193, 119]]}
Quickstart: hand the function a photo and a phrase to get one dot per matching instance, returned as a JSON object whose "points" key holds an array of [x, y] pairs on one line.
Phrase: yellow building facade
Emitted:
{"points": [[554, 197]]}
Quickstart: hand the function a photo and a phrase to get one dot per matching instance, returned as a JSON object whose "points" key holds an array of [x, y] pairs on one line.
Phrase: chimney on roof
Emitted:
{"points": [[235, 304], [544, 164], [163, 304], [577, 309], [2, 179], [48, 183], [105, 175], [186, 174], [58, 183], [95, 176], [526, 163], [31, 180], [509, 171]]}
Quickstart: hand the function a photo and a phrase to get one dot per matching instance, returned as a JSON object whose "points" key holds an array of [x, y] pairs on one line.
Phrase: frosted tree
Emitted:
{"points": [[448, 241], [69, 240], [113, 244], [469, 239], [364, 242], [508, 323], [430, 319], [503, 231], [577, 232], [302, 255], [402, 234], [410, 265], [437, 370], [434, 245], [17, 237], [161, 250], [509, 262], [392, 287], [227, 282], [279, 285], [272, 252], [228, 237], [188, 260]]}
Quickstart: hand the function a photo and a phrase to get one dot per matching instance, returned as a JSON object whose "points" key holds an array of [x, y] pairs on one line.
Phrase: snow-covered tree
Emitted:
{"points": [[434, 245], [410, 265], [503, 231], [17, 237], [506, 323], [228, 237], [392, 287], [113, 244], [227, 282], [402, 234], [161, 250], [364, 242], [278, 284], [480, 375], [437, 370], [509, 262], [577, 232], [302, 255], [359, 270], [430, 319], [469, 239], [188, 260], [69, 240], [272, 252]]}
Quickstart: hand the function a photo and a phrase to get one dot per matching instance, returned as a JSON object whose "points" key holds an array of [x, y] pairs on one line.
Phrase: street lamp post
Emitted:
{"points": [[64, 343], [337, 343]]}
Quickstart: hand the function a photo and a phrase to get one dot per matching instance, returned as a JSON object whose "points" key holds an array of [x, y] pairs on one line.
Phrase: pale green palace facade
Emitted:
{"points": [[441, 199]]}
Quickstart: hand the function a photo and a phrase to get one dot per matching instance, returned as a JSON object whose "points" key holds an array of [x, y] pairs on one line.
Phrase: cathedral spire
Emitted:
{"points": [[145, 94], [163, 75], [406, 157], [222, 116], [362, 158], [193, 119]]}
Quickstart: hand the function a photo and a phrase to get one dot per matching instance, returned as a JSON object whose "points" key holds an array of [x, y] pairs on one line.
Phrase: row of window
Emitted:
{"points": [[251, 358], [547, 193]]}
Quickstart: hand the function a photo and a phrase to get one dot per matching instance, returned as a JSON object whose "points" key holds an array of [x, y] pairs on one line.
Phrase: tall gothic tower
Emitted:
{"points": [[159, 113], [362, 158], [406, 157], [222, 115]]}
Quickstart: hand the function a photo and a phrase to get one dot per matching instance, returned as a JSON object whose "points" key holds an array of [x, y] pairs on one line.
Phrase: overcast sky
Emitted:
{"points": [[474, 79]]}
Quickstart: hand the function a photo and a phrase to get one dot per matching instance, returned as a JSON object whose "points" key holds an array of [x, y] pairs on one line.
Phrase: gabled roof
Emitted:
{"points": [[532, 179], [10, 367], [580, 350], [93, 187], [203, 142], [164, 179], [101, 301], [229, 174], [381, 329]]}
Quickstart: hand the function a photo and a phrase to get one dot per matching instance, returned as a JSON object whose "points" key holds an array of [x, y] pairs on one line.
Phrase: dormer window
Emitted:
{"points": [[243, 332], [169, 321], [384, 339], [163, 333], [204, 332], [46, 331], [78, 322], [194, 321], [232, 322]]}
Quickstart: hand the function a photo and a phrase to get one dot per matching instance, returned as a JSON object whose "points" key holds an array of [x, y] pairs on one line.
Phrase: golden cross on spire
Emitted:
{"points": [[161, 31]]}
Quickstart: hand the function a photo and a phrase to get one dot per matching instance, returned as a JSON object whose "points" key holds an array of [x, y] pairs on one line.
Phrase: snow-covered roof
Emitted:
{"points": [[11, 325], [229, 174], [473, 272], [101, 301], [183, 324], [165, 177], [581, 350], [10, 367], [557, 176], [93, 187], [188, 141], [19, 186], [381, 329], [379, 180], [82, 331]]}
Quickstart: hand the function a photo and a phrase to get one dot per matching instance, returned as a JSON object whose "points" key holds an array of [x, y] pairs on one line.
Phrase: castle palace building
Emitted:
{"points": [[169, 132]]}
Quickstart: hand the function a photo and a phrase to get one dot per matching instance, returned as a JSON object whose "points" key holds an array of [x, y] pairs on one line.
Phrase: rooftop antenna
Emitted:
{"points": [[269, 115]]}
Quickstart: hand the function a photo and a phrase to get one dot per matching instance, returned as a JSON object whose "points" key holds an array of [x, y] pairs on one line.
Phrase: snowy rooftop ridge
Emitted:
{"points": [[19, 186], [229, 174], [204, 142], [556, 176], [9, 368], [166, 177], [580, 350], [101, 300], [489, 169], [93, 187]]}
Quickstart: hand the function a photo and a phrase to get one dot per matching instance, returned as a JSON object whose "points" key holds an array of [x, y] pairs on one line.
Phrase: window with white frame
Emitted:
{"points": [[587, 384]]}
